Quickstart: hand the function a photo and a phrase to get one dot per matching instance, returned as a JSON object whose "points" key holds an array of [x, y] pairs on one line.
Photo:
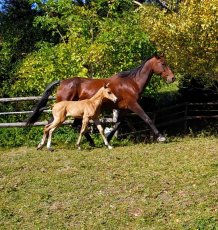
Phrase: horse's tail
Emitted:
{"points": [[41, 104]]}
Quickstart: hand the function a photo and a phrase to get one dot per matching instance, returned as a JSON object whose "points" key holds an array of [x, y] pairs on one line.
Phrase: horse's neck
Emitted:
{"points": [[143, 76], [97, 99]]}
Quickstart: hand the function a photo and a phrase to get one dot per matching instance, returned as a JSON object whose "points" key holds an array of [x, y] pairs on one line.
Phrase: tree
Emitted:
{"points": [[93, 40], [18, 37], [188, 37]]}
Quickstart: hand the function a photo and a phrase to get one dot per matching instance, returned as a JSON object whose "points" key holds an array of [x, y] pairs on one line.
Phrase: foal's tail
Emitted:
{"points": [[41, 104]]}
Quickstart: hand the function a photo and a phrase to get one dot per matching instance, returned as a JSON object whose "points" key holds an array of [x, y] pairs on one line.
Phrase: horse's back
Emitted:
{"points": [[78, 88]]}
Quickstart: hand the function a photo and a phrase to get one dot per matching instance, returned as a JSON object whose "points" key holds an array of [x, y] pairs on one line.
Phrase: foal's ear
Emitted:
{"points": [[106, 85]]}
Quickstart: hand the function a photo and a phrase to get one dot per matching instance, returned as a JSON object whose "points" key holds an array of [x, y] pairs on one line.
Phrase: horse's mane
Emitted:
{"points": [[133, 72]]}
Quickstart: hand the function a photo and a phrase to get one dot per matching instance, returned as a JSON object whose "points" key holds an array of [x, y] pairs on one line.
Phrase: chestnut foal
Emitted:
{"points": [[88, 109]]}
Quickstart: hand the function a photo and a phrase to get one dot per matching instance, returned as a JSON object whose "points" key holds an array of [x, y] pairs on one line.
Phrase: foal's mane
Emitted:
{"points": [[133, 72]]}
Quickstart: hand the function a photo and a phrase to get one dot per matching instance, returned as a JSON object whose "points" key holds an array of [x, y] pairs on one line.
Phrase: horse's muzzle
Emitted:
{"points": [[170, 79], [115, 100]]}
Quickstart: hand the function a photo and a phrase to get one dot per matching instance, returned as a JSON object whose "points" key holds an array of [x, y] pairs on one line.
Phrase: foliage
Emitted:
{"points": [[189, 36], [157, 186], [123, 46], [50, 63], [17, 38], [15, 137], [169, 5], [42, 41], [95, 41]]}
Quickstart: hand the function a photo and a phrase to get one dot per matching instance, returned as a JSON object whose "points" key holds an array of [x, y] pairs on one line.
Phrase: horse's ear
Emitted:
{"points": [[106, 85], [158, 55]]}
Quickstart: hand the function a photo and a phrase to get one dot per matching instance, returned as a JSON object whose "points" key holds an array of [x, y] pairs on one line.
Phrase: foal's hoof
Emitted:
{"points": [[161, 139], [39, 147], [110, 147]]}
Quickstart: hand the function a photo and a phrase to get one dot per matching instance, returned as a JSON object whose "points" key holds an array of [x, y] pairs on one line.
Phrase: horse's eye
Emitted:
{"points": [[109, 92]]}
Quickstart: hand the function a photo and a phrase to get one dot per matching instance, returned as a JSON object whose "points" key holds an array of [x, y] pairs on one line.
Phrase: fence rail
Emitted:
{"points": [[12, 99], [164, 117]]}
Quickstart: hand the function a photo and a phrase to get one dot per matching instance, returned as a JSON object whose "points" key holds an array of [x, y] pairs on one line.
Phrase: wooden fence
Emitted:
{"points": [[185, 112], [23, 124], [162, 118]]}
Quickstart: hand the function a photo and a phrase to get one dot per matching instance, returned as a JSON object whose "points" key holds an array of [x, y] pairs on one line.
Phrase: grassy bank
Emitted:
{"points": [[143, 186]]}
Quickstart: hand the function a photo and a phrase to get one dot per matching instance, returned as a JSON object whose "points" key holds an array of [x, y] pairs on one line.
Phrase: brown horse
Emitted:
{"points": [[88, 109], [127, 86]]}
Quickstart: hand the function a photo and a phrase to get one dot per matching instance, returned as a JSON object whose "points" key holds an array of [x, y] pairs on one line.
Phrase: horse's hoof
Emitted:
{"points": [[92, 145], [51, 149], [110, 147], [79, 148], [161, 139]]}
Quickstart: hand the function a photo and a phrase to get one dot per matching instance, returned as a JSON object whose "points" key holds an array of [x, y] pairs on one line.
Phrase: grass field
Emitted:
{"points": [[141, 186]]}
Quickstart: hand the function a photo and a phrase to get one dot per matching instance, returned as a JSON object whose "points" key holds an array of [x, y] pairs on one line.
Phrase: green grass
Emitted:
{"points": [[141, 186]]}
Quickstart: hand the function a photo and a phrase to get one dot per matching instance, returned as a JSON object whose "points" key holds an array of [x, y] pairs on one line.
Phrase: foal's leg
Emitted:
{"points": [[44, 138], [85, 122], [86, 134], [50, 129], [136, 108], [49, 139], [101, 131]]}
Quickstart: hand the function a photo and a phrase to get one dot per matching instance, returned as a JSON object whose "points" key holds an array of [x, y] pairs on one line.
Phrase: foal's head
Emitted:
{"points": [[161, 68], [107, 93]]}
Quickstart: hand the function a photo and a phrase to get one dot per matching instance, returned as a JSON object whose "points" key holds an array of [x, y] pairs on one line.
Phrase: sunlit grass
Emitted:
{"points": [[143, 186]]}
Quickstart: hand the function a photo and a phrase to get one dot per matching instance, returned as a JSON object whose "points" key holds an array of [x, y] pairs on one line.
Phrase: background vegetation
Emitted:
{"points": [[42, 41]]}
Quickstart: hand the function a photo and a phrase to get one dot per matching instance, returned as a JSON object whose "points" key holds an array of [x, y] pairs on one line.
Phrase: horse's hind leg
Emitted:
{"points": [[101, 131], [52, 128], [89, 139], [116, 120], [111, 134], [44, 138], [49, 139]]}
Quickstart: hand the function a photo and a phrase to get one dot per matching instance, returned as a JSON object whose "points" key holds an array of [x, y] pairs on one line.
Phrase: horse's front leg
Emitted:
{"points": [[101, 131], [76, 123], [136, 108], [85, 122]]}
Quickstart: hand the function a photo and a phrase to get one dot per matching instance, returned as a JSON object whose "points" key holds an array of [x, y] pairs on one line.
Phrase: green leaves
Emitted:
{"points": [[96, 40], [48, 64], [188, 37]]}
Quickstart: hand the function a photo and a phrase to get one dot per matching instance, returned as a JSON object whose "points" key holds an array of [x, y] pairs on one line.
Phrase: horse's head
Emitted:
{"points": [[161, 68], [107, 92]]}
